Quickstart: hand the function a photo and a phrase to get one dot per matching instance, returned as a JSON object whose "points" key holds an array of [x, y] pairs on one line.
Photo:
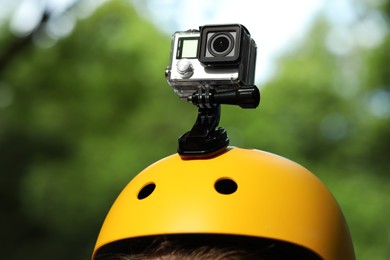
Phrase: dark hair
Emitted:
{"points": [[203, 247]]}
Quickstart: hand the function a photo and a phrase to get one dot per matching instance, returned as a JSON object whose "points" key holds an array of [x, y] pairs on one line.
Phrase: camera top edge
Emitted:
{"points": [[216, 27], [221, 25]]}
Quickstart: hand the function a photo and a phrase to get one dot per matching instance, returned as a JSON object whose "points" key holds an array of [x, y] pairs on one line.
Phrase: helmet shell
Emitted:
{"points": [[239, 192]]}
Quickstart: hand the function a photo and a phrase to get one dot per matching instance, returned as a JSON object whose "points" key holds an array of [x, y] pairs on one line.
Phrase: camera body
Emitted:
{"points": [[219, 57]]}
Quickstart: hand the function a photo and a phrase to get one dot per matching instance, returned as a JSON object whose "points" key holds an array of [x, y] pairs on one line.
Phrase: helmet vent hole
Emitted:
{"points": [[146, 191], [225, 186]]}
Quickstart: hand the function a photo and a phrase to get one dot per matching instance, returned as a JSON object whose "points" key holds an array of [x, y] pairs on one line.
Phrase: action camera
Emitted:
{"points": [[218, 57], [209, 67]]}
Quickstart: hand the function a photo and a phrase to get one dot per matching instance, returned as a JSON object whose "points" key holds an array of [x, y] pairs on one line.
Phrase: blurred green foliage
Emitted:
{"points": [[78, 120]]}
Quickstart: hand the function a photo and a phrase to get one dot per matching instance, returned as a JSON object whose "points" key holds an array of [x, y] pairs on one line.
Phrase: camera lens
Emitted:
{"points": [[221, 44]]}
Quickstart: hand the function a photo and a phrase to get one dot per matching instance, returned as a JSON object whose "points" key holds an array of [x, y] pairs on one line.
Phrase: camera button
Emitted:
{"points": [[185, 68]]}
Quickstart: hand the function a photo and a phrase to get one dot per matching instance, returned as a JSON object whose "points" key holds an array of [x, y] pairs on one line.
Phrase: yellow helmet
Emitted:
{"points": [[239, 192]]}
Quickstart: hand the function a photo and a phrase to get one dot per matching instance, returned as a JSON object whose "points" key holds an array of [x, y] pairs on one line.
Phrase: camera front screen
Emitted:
{"points": [[187, 48]]}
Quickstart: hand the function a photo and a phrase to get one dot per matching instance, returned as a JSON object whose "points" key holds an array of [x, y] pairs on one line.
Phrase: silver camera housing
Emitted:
{"points": [[219, 57]]}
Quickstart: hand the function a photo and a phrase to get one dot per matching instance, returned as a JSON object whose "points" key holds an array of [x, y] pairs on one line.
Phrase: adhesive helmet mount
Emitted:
{"points": [[206, 138]]}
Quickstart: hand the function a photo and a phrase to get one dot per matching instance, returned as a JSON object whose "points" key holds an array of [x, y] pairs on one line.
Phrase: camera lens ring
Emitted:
{"points": [[220, 44]]}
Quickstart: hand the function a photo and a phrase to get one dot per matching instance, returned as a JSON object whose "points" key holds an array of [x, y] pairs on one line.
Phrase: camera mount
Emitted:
{"points": [[206, 138]]}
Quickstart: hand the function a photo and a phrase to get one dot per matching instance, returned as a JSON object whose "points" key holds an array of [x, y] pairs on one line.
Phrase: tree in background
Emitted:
{"points": [[328, 107], [80, 116], [78, 120]]}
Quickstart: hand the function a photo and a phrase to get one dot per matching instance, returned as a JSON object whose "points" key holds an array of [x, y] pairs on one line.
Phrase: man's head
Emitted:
{"points": [[204, 247]]}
